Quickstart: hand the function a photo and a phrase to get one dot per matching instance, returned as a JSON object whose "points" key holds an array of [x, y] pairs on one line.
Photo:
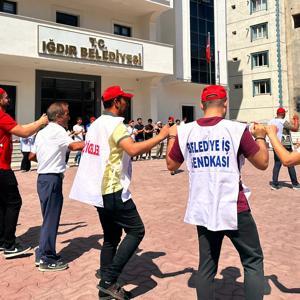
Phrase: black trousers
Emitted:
{"points": [[10, 205], [49, 187], [25, 164], [246, 241], [115, 217], [277, 167]]}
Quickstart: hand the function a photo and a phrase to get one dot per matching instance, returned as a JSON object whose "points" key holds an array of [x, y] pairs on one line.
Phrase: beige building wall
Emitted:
{"points": [[244, 105], [293, 51]]}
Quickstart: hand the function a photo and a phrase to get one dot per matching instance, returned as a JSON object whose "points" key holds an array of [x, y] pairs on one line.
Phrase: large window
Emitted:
{"points": [[259, 31], [260, 59], [9, 7], [67, 19], [261, 87], [258, 5], [202, 23], [296, 20], [122, 30]]}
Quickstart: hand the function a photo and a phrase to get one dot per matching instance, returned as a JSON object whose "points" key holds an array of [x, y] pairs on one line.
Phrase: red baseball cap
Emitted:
{"points": [[92, 119], [213, 92], [2, 91], [171, 119], [113, 92], [281, 110]]}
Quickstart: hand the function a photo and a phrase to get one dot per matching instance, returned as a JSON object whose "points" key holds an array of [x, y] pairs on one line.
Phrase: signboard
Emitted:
{"points": [[89, 47]]}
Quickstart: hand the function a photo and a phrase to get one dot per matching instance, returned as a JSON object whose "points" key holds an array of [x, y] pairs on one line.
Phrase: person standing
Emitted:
{"points": [[106, 156], [131, 130], [160, 146], [140, 130], [49, 150], [10, 199], [213, 148], [149, 129], [92, 119], [284, 135], [26, 144], [78, 137]]}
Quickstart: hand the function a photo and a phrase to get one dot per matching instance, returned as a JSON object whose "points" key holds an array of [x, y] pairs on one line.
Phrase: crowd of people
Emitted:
{"points": [[212, 147]]}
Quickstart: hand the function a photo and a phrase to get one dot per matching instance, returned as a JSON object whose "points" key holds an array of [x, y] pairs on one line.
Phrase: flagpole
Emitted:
{"points": [[209, 60]]}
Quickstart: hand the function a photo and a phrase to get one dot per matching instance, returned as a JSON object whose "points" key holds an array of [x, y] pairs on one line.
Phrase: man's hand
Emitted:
{"points": [[271, 130], [43, 119], [258, 130]]}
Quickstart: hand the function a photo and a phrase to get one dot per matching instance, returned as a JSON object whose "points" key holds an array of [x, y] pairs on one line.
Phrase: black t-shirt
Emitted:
{"points": [[148, 135], [139, 136]]}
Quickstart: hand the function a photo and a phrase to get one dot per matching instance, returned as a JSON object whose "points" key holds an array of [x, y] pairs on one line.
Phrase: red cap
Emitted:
{"points": [[281, 110], [2, 91], [92, 119], [213, 92], [171, 119], [113, 92]]}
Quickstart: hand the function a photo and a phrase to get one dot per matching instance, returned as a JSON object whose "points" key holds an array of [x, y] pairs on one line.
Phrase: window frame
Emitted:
{"points": [[67, 13], [255, 11], [259, 53], [298, 22], [256, 26], [261, 81], [121, 24], [14, 3]]}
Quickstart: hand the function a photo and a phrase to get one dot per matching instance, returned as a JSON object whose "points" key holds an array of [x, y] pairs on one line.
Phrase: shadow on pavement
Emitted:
{"points": [[78, 246], [32, 235], [228, 288], [141, 269]]}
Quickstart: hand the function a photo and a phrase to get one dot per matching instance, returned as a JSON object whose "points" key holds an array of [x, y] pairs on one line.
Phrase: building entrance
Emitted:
{"points": [[81, 92]]}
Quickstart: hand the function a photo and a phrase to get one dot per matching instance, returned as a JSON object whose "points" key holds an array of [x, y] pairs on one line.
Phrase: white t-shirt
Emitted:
{"points": [[78, 137], [132, 132], [50, 147], [279, 124]]}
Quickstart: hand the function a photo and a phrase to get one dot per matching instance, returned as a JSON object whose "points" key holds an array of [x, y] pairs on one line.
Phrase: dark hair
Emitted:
{"points": [[213, 103], [150, 121], [109, 103], [56, 110], [78, 118], [177, 120], [139, 119]]}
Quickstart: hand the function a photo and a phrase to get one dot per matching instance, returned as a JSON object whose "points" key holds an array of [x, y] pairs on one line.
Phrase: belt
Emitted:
{"points": [[61, 175]]}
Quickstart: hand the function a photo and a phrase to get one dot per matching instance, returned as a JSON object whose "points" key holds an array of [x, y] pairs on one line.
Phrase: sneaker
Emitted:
{"points": [[275, 187], [296, 187], [52, 266], [15, 250], [114, 290]]}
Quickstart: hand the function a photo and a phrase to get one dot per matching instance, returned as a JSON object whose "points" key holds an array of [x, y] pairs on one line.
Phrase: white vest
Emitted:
{"points": [[94, 159], [211, 155]]}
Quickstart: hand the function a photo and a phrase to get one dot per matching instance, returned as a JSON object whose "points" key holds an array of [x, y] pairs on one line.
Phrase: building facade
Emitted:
{"points": [[292, 14], [257, 59], [60, 50]]}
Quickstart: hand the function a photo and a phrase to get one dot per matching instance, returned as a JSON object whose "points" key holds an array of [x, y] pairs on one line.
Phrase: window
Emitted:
{"points": [[258, 5], [235, 59], [261, 87], [122, 30], [9, 7], [67, 19], [233, 6], [234, 32], [238, 86], [260, 59], [259, 31], [296, 20]]}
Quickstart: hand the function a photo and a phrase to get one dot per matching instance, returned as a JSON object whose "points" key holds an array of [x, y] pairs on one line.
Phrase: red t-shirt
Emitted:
{"points": [[7, 123], [248, 147]]}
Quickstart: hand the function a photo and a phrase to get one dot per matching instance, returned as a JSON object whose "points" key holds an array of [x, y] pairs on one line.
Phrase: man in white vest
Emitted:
{"points": [[106, 155], [213, 148]]}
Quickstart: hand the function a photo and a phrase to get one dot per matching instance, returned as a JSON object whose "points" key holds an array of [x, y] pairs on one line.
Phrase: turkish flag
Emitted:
{"points": [[207, 51]]}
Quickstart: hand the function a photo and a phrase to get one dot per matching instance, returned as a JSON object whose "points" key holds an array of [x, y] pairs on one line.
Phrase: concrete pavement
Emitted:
{"points": [[162, 268]]}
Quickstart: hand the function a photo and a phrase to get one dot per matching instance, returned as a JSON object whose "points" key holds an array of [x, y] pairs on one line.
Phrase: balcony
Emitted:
{"points": [[28, 42]]}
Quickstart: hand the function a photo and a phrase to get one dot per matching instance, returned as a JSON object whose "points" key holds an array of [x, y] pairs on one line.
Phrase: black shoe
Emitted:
{"points": [[275, 187], [15, 250], [52, 266], [114, 290]]}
